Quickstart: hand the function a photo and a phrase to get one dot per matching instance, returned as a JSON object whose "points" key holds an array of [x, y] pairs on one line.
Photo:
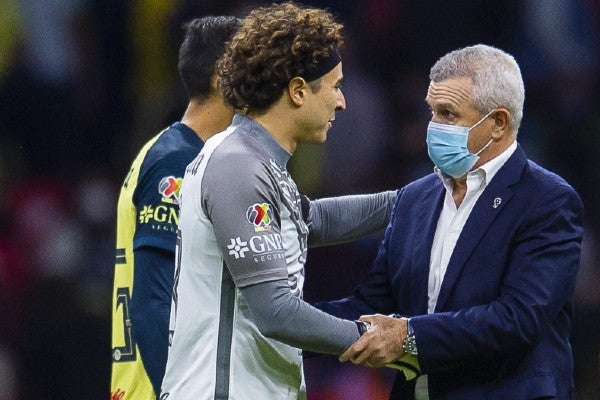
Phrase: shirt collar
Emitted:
{"points": [[257, 132], [187, 132]]}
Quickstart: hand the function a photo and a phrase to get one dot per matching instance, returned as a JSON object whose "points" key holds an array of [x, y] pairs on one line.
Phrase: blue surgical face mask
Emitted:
{"points": [[447, 147]]}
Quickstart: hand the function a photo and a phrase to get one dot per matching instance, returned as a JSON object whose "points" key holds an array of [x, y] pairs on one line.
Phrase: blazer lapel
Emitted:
{"points": [[427, 215], [493, 199]]}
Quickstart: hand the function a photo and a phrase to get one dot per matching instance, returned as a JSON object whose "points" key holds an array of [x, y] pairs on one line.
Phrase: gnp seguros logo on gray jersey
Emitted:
{"points": [[261, 247]]}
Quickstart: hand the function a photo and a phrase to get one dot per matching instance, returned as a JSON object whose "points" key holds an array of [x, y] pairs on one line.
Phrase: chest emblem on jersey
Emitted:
{"points": [[260, 216], [169, 188]]}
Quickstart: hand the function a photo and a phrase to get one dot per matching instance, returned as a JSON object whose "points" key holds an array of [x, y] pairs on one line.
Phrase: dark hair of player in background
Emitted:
{"points": [[202, 46], [272, 46]]}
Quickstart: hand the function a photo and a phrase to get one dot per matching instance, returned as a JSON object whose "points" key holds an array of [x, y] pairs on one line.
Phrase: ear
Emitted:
{"points": [[214, 82], [502, 119], [296, 90]]}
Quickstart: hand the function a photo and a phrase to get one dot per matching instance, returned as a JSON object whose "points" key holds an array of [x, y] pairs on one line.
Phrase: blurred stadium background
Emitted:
{"points": [[83, 83]]}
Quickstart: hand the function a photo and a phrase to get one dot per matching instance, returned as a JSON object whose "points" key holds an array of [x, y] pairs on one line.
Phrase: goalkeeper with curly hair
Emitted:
{"points": [[238, 321]]}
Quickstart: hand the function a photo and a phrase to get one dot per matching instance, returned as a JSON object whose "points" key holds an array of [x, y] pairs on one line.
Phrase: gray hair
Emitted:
{"points": [[496, 76]]}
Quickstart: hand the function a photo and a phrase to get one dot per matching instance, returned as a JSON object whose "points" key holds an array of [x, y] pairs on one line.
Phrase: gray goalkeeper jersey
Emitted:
{"points": [[242, 225]]}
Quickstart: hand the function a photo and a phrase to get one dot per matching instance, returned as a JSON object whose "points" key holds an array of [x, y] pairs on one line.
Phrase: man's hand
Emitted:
{"points": [[381, 344]]}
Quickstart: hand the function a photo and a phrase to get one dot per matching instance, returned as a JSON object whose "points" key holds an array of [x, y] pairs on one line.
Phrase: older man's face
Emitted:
{"points": [[450, 104]]}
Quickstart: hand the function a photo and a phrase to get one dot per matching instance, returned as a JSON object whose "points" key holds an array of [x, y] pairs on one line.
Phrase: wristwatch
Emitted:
{"points": [[410, 343], [362, 326]]}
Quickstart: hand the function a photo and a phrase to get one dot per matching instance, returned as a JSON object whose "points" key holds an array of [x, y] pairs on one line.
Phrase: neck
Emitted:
{"points": [[279, 121], [208, 117], [459, 190]]}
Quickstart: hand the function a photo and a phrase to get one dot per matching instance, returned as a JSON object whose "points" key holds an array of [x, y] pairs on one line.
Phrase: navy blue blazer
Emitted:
{"points": [[503, 317]]}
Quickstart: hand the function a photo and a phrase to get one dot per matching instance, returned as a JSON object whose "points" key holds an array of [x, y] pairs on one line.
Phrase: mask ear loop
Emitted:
{"points": [[482, 119], [484, 147], [477, 123]]}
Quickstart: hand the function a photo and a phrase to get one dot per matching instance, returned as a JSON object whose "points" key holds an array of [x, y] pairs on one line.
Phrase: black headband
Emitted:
{"points": [[323, 66]]}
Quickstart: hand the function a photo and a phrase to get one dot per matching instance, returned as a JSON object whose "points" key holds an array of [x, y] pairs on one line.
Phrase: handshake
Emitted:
{"points": [[384, 344]]}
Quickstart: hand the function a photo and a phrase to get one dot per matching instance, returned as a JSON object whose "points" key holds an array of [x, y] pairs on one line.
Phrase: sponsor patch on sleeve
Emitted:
{"points": [[260, 216], [169, 188]]}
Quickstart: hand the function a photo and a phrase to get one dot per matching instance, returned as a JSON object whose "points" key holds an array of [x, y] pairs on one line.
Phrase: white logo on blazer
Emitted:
{"points": [[497, 202]]}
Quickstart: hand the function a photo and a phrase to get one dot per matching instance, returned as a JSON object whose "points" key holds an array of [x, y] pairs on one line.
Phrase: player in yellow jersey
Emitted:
{"points": [[148, 212]]}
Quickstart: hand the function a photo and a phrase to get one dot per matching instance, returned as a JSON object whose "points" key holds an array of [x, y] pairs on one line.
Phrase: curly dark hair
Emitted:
{"points": [[275, 44]]}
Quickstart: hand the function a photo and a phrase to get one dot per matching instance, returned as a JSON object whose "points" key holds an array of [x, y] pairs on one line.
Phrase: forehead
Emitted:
{"points": [[453, 92]]}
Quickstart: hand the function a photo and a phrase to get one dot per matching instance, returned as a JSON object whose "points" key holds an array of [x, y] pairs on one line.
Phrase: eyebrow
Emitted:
{"points": [[441, 104]]}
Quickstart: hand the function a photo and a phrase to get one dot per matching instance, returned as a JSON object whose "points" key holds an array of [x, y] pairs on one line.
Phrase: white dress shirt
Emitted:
{"points": [[452, 219]]}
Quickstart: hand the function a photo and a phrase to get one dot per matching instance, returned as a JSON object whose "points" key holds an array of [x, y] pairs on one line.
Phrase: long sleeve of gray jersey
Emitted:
{"points": [[342, 219], [280, 315]]}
